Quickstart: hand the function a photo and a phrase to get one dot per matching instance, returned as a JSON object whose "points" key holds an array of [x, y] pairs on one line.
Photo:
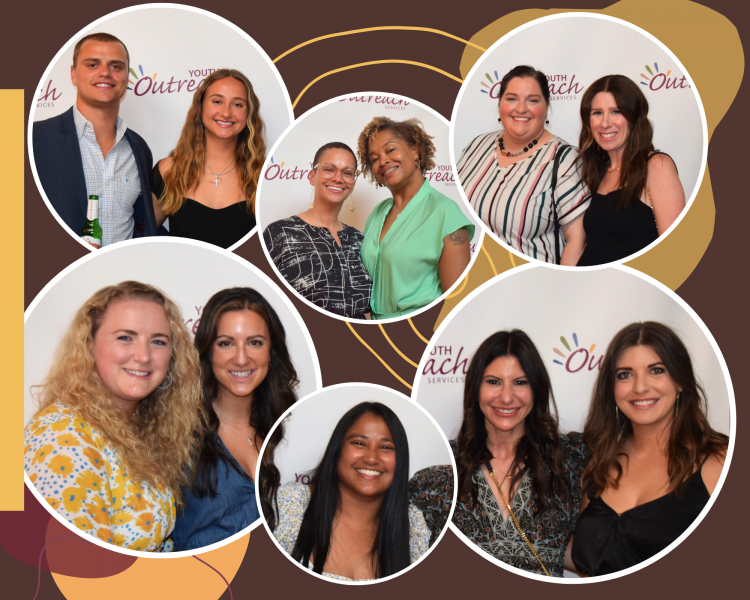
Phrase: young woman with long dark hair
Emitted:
{"points": [[518, 478], [655, 460], [354, 521], [248, 381], [636, 193]]}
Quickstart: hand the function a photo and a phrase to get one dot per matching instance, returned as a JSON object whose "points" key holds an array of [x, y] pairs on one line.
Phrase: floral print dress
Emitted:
{"points": [[81, 476]]}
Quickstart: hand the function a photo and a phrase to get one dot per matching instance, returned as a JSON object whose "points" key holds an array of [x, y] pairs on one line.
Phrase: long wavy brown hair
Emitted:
{"points": [[638, 147], [691, 438], [411, 131], [270, 399], [189, 157], [158, 441], [539, 448]]}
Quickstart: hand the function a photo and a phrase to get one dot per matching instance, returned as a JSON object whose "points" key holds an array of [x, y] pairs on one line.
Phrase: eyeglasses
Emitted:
{"points": [[327, 170]]}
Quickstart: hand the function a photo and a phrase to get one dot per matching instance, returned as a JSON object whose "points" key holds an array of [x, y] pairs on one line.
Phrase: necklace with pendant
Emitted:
{"points": [[228, 422], [217, 175]]}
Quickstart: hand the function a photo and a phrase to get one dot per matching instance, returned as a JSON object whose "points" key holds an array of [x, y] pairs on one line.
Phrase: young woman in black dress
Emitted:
{"points": [[636, 193], [206, 186]]}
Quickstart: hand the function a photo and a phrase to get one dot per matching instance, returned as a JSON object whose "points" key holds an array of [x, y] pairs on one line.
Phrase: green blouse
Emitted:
{"points": [[404, 266]]}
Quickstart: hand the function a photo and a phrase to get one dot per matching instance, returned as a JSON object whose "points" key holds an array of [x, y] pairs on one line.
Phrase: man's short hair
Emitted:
{"points": [[98, 37]]}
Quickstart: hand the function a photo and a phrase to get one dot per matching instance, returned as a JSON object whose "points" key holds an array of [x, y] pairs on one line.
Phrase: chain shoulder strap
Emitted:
{"points": [[513, 516]]}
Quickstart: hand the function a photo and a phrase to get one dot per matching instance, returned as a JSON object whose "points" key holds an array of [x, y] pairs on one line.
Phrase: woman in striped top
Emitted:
{"points": [[508, 176]]}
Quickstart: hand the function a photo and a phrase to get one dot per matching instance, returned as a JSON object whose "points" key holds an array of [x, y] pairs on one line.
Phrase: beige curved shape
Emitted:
{"points": [[157, 579], [716, 65]]}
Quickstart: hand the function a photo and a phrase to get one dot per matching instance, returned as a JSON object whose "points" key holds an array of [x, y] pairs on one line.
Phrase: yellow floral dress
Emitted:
{"points": [[81, 476]]}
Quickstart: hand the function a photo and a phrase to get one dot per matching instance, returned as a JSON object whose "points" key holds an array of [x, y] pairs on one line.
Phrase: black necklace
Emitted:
{"points": [[505, 152]]}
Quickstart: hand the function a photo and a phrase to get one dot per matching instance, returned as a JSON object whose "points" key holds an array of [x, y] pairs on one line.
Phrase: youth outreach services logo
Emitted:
{"points": [[561, 87], [387, 102], [661, 81], [576, 360], [148, 84], [47, 96], [446, 365], [279, 172]]}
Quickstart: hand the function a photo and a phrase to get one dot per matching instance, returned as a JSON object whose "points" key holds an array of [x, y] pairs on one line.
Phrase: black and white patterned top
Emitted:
{"points": [[328, 275]]}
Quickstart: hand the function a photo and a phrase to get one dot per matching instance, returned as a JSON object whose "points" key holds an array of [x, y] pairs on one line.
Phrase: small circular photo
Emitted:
{"points": [[156, 120], [359, 209], [578, 140], [591, 436], [366, 484], [150, 390]]}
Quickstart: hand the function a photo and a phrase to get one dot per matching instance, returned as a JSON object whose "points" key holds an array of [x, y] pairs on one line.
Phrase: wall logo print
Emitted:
{"points": [[657, 80], [146, 84], [577, 357], [561, 86]]}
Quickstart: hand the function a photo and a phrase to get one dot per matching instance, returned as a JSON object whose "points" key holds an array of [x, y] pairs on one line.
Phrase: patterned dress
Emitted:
{"points": [[293, 499], [549, 532], [81, 476], [327, 274]]}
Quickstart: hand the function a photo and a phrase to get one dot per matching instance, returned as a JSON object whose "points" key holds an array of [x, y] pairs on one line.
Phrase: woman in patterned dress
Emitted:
{"points": [[318, 255], [509, 178], [518, 478], [118, 412], [354, 521]]}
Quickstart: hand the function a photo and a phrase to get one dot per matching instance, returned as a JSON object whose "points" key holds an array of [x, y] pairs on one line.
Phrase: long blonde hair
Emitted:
{"points": [[189, 157], [158, 442]]}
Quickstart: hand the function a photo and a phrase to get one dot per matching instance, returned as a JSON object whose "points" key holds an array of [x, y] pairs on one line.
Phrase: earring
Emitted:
{"points": [[617, 413], [164, 387], [351, 197], [547, 121], [677, 404], [312, 197]]}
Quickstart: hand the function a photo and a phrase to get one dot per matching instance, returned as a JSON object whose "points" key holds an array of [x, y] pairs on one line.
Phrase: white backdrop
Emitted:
{"points": [[310, 424], [571, 318], [170, 45], [188, 272], [573, 52], [284, 189]]}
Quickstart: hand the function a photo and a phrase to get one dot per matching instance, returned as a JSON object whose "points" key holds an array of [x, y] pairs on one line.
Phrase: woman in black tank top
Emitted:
{"points": [[655, 460], [636, 193]]}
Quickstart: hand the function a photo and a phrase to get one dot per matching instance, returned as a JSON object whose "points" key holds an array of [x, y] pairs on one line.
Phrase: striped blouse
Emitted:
{"points": [[514, 201]]}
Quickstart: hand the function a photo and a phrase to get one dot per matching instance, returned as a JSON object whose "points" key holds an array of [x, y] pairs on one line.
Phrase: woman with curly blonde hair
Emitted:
{"points": [[416, 244], [207, 184], [118, 412]]}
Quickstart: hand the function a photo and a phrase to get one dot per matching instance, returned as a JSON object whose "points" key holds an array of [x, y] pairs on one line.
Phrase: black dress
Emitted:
{"points": [[606, 542], [221, 227], [613, 233]]}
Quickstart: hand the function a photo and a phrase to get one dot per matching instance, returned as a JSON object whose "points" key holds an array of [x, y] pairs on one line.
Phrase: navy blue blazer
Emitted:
{"points": [[60, 168]]}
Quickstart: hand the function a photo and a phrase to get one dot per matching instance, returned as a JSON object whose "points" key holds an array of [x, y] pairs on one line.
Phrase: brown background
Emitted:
{"points": [[709, 562]]}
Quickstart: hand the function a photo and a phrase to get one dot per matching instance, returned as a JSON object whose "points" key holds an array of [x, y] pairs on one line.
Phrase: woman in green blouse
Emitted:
{"points": [[416, 244]]}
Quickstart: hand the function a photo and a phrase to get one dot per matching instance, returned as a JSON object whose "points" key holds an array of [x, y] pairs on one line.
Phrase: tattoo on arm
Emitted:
{"points": [[460, 237]]}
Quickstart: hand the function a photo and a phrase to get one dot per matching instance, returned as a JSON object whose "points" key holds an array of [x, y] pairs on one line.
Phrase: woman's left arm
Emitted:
{"points": [[665, 191], [575, 242], [454, 258]]}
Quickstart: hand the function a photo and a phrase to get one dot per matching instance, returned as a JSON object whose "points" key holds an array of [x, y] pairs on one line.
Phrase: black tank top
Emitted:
{"points": [[606, 542], [613, 233]]}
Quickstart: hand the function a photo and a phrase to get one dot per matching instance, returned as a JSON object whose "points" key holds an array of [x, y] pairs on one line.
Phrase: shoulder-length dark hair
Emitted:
{"points": [[271, 398], [638, 147], [189, 157], [691, 438], [539, 448], [390, 552]]}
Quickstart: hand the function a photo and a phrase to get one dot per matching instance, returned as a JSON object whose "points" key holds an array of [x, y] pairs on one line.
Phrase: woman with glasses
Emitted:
{"points": [[317, 254]]}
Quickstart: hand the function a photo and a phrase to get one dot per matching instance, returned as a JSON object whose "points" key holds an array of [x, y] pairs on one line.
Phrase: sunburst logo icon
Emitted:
{"points": [[135, 75], [489, 87], [652, 74], [577, 357]]}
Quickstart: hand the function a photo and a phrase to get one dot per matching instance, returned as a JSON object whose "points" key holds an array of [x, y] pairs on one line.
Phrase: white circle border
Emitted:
{"points": [[701, 110], [732, 423], [224, 254]]}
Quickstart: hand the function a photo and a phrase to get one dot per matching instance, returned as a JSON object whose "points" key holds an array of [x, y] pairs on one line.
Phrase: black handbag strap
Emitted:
{"points": [[555, 168]]}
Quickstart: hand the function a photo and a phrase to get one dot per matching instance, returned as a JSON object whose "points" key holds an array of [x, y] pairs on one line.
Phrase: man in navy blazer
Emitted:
{"points": [[88, 150]]}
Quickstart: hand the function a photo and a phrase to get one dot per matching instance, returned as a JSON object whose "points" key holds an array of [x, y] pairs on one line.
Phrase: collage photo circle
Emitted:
{"points": [[361, 338]]}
